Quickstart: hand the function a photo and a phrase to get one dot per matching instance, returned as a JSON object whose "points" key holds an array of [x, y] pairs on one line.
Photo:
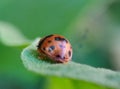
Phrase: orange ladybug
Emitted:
{"points": [[55, 48]]}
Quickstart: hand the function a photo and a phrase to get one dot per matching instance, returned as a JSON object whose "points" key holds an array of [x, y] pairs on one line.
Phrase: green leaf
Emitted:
{"points": [[11, 36], [72, 70], [65, 83]]}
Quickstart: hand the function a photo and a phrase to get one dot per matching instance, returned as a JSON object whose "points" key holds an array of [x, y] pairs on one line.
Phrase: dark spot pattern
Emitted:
{"points": [[51, 48], [57, 38], [44, 48], [42, 40], [61, 39], [49, 41], [62, 46], [69, 53], [58, 56]]}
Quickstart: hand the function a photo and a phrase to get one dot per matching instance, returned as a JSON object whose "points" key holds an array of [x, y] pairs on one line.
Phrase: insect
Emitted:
{"points": [[56, 48]]}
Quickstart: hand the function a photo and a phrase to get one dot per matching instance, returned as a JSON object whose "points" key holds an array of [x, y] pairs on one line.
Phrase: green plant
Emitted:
{"points": [[85, 22], [101, 77]]}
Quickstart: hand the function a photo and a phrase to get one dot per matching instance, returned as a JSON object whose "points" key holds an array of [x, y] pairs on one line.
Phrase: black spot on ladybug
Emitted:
{"points": [[49, 41], [61, 39], [57, 38], [44, 48], [51, 48], [42, 40], [69, 53], [62, 46], [58, 56]]}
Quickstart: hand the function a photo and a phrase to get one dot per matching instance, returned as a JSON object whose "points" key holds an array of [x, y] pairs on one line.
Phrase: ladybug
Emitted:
{"points": [[55, 48]]}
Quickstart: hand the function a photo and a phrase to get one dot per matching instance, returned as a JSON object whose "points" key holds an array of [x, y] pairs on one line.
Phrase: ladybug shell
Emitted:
{"points": [[56, 48]]}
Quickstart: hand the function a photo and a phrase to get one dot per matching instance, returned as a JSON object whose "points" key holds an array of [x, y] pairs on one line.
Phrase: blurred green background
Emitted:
{"points": [[92, 26]]}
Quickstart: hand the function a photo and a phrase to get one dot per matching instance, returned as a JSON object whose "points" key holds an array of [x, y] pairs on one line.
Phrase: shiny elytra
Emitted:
{"points": [[55, 48]]}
